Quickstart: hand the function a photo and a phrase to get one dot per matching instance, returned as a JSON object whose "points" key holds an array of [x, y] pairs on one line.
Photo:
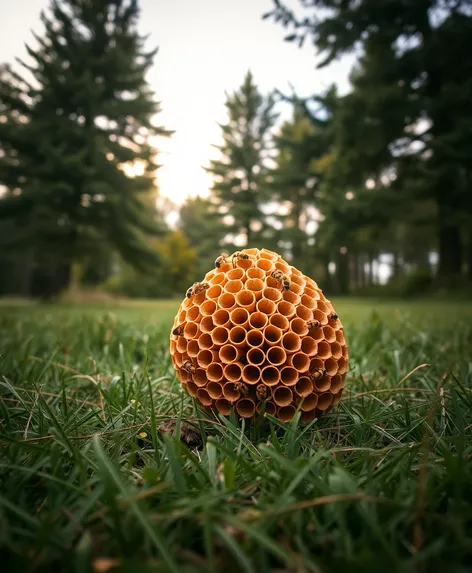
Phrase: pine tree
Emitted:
{"points": [[240, 175], [296, 178], [410, 109], [292, 183], [204, 230], [71, 134]]}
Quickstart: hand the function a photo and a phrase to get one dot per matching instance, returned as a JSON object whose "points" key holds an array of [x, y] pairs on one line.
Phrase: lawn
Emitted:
{"points": [[90, 482]]}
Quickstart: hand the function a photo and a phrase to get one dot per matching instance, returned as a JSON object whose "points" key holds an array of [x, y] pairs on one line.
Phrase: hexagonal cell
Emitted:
{"points": [[331, 366], [295, 291], [194, 313], [329, 333], [337, 384], [324, 350], [204, 341], [246, 407], [233, 287], [309, 346], [340, 337], [293, 294], [299, 326], [236, 274], [255, 273], [223, 406], [309, 402], [282, 266], [289, 376], [238, 316], [266, 265], [258, 320], [206, 324], [215, 390], [272, 294], [286, 413], [336, 350], [279, 321], [282, 396], [227, 301], [286, 309], [221, 317], [300, 361], [320, 316], [276, 356], [267, 254], [304, 386], [205, 358], [291, 342], [324, 401], [233, 372], [266, 306]]}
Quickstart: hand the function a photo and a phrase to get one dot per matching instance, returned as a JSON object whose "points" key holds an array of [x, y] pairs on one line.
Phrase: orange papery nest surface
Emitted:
{"points": [[256, 335]]}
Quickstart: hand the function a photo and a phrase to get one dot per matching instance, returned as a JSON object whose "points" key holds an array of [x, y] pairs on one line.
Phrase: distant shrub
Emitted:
{"points": [[89, 295], [171, 278], [418, 282]]}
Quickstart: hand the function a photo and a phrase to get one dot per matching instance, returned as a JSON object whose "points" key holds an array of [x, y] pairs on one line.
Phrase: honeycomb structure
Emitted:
{"points": [[242, 340]]}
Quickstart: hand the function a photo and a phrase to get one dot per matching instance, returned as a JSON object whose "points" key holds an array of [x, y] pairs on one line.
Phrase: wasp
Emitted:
{"points": [[239, 255], [188, 367], [261, 392], [178, 330], [197, 288], [313, 324], [241, 388], [334, 317], [221, 260], [279, 276], [317, 374]]}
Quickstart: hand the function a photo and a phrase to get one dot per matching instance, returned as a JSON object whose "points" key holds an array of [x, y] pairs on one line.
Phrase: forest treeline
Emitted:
{"points": [[373, 186]]}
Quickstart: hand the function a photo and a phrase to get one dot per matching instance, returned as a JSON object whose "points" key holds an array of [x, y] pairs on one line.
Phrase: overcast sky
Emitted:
{"points": [[205, 48]]}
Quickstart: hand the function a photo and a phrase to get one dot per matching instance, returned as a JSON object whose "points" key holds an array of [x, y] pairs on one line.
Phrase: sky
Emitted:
{"points": [[205, 49]]}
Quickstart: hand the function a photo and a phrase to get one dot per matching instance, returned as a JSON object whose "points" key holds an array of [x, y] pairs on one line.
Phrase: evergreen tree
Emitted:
{"points": [[302, 144], [70, 136], [410, 110], [293, 184], [240, 175], [205, 231]]}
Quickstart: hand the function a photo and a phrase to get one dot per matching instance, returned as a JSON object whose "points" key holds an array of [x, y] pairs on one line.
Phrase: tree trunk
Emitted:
{"points": [[25, 274], [370, 275], [450, 251], [446, 181], [297, 241], [469, 257], [328, 279], [342, 272], [361, 271], [354, 270], [396, 269], [58, 280], [248, 235], [63, 276]]}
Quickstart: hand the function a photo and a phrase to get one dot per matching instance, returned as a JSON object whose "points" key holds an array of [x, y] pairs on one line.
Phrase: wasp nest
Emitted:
{"points": [[257, 334]]}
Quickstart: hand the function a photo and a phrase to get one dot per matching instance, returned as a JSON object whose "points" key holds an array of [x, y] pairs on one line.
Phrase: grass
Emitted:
{"points": [[383, 482]]}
